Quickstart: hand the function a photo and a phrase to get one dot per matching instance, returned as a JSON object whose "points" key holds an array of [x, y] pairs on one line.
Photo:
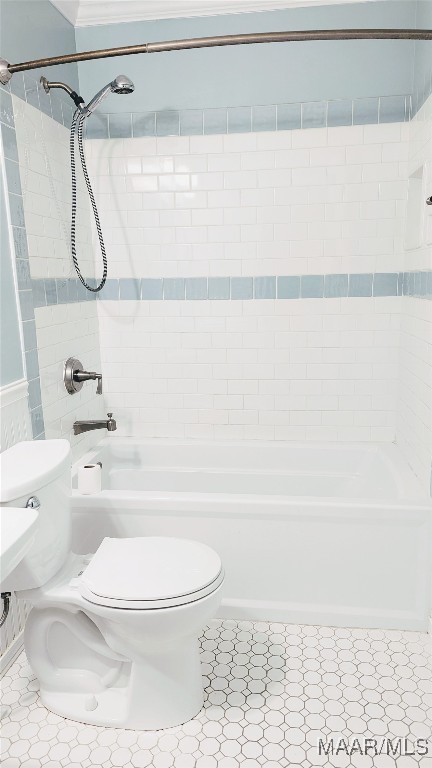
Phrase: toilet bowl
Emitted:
{"points": [[112, 636]]}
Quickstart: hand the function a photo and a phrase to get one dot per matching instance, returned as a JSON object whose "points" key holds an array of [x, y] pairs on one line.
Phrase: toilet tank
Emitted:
{"points": [[39, 468]]}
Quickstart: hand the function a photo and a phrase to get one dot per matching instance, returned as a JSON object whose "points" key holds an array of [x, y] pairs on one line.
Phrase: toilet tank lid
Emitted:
{"points": [[30, 465]]}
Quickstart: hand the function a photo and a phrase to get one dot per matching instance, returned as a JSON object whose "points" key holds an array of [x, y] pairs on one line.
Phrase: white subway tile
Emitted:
{"points": [[179, 182], [224, 234], [308, 176], [258, 197], [172, 145], [257, 232], [224, 162], [364, 153], [312, 137], [191, 199], [257, 160], [224, 198], [240, 179], [190, 164], [206, 144], [207, 181], [274, 140], [240, 142], [275, 178], [328, 156], [292, 158]]}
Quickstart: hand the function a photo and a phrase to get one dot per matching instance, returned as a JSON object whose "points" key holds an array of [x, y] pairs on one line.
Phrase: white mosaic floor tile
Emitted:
{"points": [[272, 691]]}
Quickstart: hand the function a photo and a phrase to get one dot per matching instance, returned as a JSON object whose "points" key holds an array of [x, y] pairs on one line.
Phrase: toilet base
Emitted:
{"points": [[114, 667], [164, 691]]}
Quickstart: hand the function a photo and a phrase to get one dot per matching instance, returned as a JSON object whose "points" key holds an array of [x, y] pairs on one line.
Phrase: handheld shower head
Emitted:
{"points": [[121, 84]]}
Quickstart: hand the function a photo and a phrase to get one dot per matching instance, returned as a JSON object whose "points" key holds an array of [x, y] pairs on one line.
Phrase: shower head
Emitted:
{"points": [[121, 84]]}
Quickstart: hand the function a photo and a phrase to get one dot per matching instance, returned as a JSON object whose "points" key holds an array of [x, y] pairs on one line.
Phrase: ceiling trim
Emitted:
{"points": [[88, 13]]}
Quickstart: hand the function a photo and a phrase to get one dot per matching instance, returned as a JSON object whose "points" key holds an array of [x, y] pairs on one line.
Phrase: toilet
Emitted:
{"points": [[112, 636]]}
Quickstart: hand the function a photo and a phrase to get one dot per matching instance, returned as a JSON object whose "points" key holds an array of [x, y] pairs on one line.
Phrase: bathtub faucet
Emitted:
{"points": [[86, 426]]}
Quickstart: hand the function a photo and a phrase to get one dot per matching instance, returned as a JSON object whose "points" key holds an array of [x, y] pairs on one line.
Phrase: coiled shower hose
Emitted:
{"points": [[77, 129]]}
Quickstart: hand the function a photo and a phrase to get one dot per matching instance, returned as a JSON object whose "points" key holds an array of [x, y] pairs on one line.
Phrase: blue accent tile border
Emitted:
{"points": [[199, 122], [272, 117], [47, 292]]}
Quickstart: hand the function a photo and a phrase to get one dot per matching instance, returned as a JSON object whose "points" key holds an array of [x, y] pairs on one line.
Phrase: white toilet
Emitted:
{"points": [[113, 636]]}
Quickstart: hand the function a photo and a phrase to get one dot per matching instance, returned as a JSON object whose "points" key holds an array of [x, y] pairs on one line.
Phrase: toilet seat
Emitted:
{"points": [[150, 572]]}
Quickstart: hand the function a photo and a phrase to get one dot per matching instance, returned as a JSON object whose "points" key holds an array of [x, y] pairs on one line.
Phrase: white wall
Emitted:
{"points": [[288, 203]]}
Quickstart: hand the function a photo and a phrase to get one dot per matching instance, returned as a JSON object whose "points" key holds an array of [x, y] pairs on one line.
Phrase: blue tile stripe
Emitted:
{"points": [[47, 292], [271, 117], [195, 122]]}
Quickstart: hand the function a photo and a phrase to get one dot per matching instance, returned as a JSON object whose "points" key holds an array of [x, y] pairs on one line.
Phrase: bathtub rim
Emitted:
{"points": [[410, 493]]}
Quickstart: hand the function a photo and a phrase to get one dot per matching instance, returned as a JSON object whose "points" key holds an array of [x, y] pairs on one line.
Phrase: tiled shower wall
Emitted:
{"points": [[68, 326], [414, 428], [259, 280]]}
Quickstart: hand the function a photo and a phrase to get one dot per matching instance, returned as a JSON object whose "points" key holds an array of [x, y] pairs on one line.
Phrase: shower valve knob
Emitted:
{"points": [[74, 376]]}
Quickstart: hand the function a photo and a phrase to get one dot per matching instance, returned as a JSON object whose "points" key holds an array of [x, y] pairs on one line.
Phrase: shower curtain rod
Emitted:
{"points": [[7, 70]]}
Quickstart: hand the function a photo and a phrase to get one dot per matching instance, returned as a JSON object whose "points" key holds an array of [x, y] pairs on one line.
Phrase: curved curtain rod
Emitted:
{"points": [[7, 70]]}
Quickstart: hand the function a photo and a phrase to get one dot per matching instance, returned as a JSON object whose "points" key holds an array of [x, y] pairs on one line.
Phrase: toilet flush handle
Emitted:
{"points": [[33, 503]]}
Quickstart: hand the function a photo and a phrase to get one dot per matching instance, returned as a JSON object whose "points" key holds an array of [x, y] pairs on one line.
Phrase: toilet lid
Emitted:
{"points": [[151, 568]]}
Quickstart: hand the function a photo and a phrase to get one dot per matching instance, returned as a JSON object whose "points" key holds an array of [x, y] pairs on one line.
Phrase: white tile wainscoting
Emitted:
{"points": [[271, 692], [14, 427], [14, 413]]}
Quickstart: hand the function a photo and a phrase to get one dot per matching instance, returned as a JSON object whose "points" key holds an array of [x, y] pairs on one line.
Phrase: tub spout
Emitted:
{"points": [[86, 426]]}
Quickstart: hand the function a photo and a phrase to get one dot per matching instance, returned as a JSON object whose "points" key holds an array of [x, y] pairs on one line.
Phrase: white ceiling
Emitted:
{"points": [[87, 13]]}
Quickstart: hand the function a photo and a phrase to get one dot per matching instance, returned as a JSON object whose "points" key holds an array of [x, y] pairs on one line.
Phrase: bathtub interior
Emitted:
{"points": [[306, 556], [317, 470]]}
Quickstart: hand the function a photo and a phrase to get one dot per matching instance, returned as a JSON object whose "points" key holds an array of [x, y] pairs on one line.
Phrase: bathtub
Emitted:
{"points": [[333, 534]]}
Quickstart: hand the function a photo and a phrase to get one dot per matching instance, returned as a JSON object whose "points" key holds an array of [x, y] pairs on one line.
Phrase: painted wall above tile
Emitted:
{"points": [[207, 90], [256, 74], [33, 29]]}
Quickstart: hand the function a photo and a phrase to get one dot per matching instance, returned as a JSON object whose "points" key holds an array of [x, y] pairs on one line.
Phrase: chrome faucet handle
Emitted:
{"points": [[81, 376], [74, 376]]}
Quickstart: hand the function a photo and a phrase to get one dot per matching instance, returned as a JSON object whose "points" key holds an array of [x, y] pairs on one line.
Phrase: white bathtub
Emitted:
{"points": [[309, 533]]}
